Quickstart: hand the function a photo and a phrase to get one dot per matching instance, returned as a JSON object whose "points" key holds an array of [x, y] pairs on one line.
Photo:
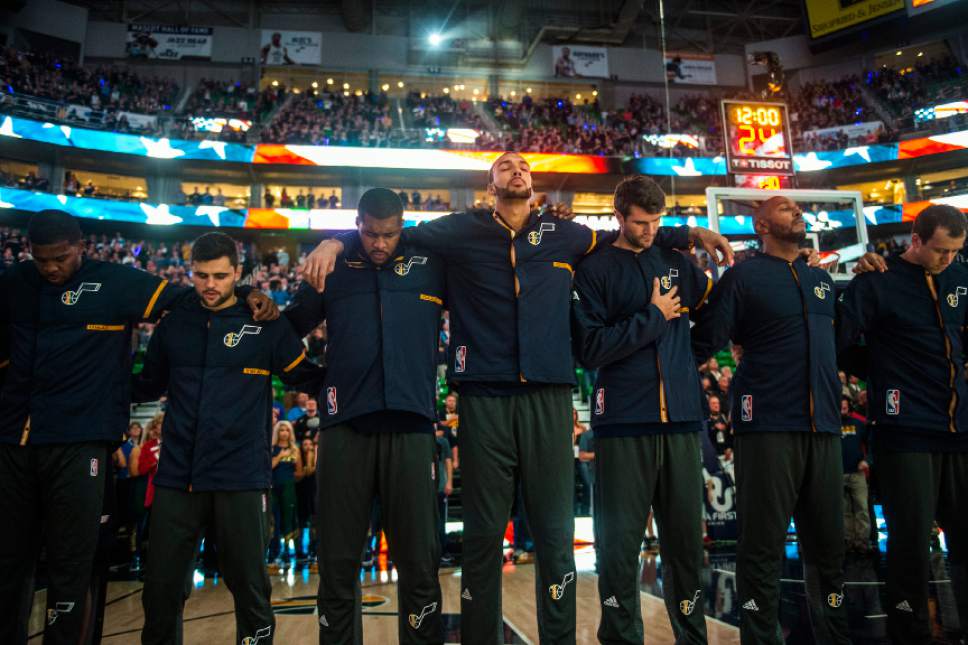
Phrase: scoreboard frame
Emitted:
{"points": [[741, 164]]}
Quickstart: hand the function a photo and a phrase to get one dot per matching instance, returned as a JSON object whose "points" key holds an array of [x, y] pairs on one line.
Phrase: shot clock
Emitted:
{"points": [[757, 137]]}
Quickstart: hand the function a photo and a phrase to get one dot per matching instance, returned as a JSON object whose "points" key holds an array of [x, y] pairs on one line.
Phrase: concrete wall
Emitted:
{"points": [[48, 17]]}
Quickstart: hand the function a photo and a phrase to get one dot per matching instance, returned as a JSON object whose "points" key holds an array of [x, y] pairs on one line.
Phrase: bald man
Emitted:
{"points": [[786, 415], [509, 284]]}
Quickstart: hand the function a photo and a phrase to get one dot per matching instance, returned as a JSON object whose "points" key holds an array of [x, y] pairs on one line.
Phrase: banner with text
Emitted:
{"points": [[290, 47], [694, 69], [166, 42], [573, 61]]}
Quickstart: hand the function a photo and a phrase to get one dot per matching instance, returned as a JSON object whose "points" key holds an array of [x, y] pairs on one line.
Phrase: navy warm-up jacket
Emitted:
{"points": [[914, 325], [509, 292], [782, 314], [68, 350], [382, 327], [217, 367], [647, 380]]}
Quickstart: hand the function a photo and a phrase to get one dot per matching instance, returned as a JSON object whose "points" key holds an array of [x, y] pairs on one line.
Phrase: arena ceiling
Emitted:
{"points": [[709, 26]]}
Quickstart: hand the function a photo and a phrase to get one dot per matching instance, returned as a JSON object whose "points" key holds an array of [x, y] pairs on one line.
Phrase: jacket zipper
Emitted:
{"points": [[806, 327], [663, 410], [953, 403], [198, 404], [514, 269]]}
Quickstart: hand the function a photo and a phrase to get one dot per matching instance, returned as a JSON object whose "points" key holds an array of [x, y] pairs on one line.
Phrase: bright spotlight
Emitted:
{"points": [[434, 39]]}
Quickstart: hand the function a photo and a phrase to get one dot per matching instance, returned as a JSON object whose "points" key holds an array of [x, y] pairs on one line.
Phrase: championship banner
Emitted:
{"points": [[691, 69], [290, 47], [575, 61], [166, 42], [830, 16]]}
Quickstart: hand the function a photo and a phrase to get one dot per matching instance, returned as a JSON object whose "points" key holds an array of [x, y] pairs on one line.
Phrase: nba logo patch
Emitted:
{"points": [[599, 401], [746, 407], [331, 407], [892, 402], [460, 359], [94, 467]]}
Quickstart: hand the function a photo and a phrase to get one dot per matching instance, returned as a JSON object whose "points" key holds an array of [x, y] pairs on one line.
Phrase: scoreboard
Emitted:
{"points": [[757, 138]]}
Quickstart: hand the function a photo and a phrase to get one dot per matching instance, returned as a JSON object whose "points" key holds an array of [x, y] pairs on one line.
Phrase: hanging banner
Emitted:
{"points": [[290, 47], [720, 498], [166, 42], [690, 69], [574, 61]]}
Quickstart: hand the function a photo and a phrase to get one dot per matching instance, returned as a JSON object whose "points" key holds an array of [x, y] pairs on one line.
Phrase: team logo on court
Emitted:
{"points": [[821, 290], [331, 406], [403, 268], [599, 401], [71, 297], [892, 402], [746, 407], [953, 297], [534, 237], [835, 599], [558, 591], [416, 621], [687, 606], [233, 338], [259, 635], [58, 609], [666, 280], [94, 467], [460, 359]]}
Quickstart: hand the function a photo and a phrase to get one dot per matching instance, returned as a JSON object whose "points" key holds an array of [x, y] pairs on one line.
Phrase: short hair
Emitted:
{"points": [[640, 191], [52, 227], [379, 203], [939, 215], [212, 246]]}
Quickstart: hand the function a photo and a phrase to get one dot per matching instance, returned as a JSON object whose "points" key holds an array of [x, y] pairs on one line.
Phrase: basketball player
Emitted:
{"points": [[509, 275], [786, 417], [377, 431], [912, 317], [216, 365], [647, 414], [63, 408], [273, 53]]}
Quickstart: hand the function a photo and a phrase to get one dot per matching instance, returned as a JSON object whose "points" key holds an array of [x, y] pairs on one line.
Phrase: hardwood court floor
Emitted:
{"points": [[209, 618]]}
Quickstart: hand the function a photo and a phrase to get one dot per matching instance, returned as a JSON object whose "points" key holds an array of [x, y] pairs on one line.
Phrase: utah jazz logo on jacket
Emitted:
{"points": [[953, 297], [687, 606], [666, 280], [557, 592], [401, 268], [233, 338], [259, 635], [71, 297], [58, 609], [416, 620], [534, 237], [821, 290]]}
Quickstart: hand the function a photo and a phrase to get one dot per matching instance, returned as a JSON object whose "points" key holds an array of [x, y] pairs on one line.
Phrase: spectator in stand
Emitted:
{"points": [[444, 470], [125, 494], [142, 468], [857, 524], [333, 200], [306, 498], [307, 426], [718, 427], [268, 199], [299, 410], [286, 466]]}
